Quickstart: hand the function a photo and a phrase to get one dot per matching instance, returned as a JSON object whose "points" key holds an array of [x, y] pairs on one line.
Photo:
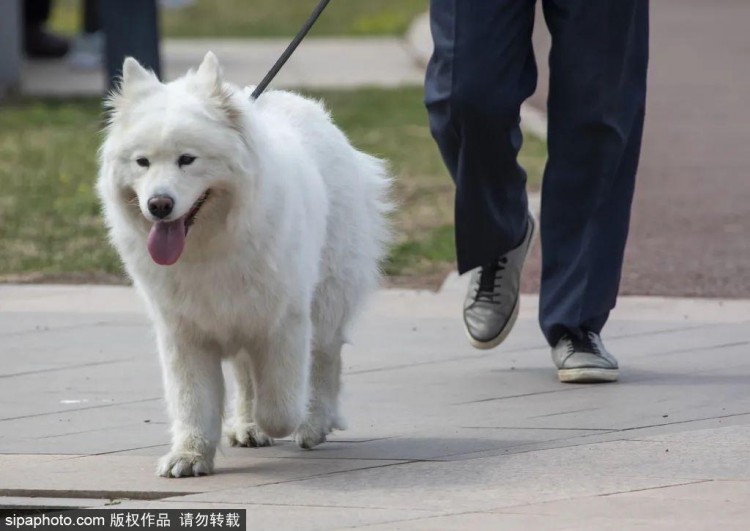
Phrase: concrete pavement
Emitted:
{"points": [[441, 436]]}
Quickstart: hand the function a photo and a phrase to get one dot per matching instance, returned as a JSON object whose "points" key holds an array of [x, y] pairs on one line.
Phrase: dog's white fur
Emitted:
{"points": [[280, 259]]}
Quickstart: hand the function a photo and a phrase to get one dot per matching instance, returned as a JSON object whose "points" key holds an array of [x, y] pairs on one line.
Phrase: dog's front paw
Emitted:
{"points": [[248, 435], [315, 430], [308, 436], [184, 464]]}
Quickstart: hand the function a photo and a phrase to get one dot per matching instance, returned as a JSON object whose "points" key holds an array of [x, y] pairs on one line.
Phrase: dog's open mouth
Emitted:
{"points": [[190, 217], [166, 240]]}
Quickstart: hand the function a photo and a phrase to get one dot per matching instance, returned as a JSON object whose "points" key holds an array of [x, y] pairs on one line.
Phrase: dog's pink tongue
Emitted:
{"points": [[166, 241]]}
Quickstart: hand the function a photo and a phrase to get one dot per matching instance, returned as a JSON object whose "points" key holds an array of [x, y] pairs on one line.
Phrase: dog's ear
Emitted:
{"points": [[208, 81], [209, 71], [135, 80], [133, 74]]}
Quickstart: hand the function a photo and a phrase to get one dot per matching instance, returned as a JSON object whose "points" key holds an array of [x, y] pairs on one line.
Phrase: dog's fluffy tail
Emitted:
{"points": [[379, 182]]}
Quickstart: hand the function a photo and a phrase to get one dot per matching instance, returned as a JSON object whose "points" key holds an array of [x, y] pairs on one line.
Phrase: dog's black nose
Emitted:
{"points": [[160, 206]]}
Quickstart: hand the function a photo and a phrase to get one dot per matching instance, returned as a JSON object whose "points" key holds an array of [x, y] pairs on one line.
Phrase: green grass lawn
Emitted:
{"points": [[269, 18], [49, 217]]}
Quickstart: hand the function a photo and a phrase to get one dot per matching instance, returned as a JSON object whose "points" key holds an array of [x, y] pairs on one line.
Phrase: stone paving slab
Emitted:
{"points": [[43, 503], [441, 436], [681, 507], [112, 476], [689, 506], [462, 486], [506, 481]]}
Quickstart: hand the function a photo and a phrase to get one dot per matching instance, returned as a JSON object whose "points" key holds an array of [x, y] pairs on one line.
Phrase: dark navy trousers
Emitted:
{"points": [[482, 69]]}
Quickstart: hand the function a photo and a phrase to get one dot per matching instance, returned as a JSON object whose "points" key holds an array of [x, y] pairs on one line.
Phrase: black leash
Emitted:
{"points": [[290, 49]]}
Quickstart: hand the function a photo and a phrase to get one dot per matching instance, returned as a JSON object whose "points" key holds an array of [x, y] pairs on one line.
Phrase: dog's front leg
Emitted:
{"points": [[194, 388], [281, 377], [243, 431]]}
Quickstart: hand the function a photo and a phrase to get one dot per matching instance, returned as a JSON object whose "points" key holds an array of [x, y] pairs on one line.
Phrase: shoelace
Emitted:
{"points": [[583, 344], [489, 281]]}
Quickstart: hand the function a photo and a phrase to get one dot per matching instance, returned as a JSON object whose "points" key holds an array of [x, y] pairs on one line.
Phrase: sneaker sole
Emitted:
{"points": [[590, 375], [505, 332]]}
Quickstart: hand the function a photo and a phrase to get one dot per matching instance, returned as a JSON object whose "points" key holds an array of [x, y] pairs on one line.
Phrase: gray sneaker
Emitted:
{"points": [[584, 360], [491, 305]]}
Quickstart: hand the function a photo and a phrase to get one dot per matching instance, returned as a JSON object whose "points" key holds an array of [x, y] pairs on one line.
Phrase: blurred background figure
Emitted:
{"points": [[38, 42], [87, 51], [110, 31], [131, 29]]}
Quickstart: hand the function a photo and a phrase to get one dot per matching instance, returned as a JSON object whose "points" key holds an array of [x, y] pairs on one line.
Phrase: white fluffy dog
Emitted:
{"points": [[271, 225]]}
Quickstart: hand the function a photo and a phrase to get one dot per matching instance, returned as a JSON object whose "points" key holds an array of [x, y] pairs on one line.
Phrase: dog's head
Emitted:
{"points": [[176, 151]]}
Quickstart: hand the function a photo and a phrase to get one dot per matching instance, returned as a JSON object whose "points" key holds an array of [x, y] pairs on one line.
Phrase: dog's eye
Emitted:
{"points": [[185, 160], [143, 162]]}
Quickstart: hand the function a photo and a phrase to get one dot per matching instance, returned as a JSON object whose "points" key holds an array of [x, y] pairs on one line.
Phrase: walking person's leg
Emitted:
{"points": [[131, 28], [596, 107], [91, 18], [36, 12], [38, 42], [87, 52], [481, 71]]}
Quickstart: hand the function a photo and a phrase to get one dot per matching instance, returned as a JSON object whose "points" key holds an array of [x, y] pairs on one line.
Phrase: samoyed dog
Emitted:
{"points": [[253, 231]]}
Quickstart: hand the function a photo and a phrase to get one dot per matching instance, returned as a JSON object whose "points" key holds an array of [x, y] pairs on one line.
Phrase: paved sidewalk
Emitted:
{"points": [[366, 61], [441, 436]]}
